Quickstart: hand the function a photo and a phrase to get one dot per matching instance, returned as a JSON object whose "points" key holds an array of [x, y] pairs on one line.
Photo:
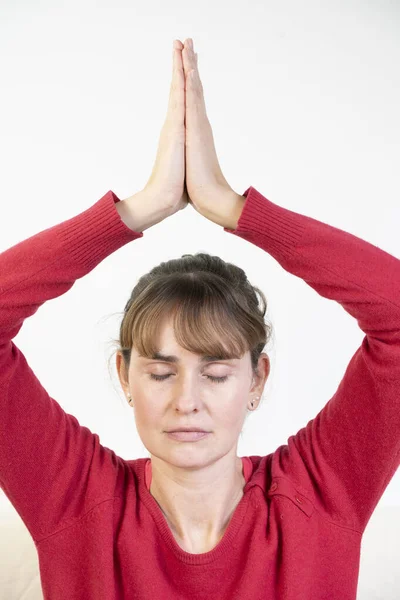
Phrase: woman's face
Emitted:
{"points": [[210, 395]]}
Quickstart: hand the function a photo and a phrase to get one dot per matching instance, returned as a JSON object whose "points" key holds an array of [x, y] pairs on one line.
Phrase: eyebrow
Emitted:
{"points": [[171, 358]]}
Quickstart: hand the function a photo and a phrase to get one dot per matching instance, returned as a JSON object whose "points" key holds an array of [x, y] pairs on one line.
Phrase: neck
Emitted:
{"points": [[196, 517]]}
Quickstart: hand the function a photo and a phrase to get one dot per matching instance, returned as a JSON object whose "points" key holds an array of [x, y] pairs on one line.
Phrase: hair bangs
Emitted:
{"points": [[204, 317]]}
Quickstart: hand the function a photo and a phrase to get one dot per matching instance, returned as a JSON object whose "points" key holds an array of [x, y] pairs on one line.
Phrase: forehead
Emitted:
{"points": [[171, 352], [173, 358]]}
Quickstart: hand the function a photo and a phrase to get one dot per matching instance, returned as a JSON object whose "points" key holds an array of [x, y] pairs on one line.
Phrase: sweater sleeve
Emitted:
{"points": [[346, 456], [52, 469]]}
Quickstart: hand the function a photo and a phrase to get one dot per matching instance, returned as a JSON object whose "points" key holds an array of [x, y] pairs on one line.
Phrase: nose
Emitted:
{"points": [[186, 396]]}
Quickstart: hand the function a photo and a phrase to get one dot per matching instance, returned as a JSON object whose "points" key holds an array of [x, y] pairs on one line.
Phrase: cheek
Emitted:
{"points": [[236, 419], [231, 411], [146, 410]]}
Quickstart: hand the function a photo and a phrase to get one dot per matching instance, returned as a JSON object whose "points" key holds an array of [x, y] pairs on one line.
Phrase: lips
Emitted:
{"points": [[187, 436], [194, 429]]}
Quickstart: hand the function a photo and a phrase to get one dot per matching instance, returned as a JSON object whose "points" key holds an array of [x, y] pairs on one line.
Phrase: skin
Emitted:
{"points": [[185, 472], [187, 171]]}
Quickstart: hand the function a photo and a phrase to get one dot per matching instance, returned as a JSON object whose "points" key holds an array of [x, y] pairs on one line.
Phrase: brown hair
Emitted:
{"points": [[215, 310]]}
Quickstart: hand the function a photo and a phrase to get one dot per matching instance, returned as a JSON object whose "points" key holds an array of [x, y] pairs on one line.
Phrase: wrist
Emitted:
{"points": [[230, 206], [136, 211], [222, 206], [237, 203], [122, 207]]}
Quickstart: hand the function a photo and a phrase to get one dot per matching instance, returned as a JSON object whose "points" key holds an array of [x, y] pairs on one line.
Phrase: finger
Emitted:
{"points": [[188, 58], [176, 105], [195, 103]]}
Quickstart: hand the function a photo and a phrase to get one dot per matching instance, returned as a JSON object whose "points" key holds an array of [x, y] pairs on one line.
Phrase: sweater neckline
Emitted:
{"points": [[223, 547]]}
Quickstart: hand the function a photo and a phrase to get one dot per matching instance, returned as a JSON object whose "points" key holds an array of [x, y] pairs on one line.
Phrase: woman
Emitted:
{"points": [[196, 521]]}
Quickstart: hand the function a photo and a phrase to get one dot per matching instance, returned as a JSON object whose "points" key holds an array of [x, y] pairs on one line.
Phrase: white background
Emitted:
{"points": [[304, 103]]}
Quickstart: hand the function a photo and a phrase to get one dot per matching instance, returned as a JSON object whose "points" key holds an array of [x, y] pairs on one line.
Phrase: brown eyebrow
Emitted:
{"points": [[171, 358]]}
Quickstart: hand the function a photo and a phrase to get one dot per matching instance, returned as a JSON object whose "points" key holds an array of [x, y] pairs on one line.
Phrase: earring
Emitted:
{"points": [[257, 398]]}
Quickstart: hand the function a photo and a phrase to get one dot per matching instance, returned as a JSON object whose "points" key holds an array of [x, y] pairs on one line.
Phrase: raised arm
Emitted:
{"points": [[347, 455], [51, 468]]}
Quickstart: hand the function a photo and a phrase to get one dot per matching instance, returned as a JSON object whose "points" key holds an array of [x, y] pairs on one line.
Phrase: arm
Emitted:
{"points": [[233, 206], [346, 456], [143, 210], [52, 469]]}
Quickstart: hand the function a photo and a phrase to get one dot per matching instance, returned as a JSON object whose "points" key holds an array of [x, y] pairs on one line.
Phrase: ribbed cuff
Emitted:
{"points": [[96, 232], [279, 227]]}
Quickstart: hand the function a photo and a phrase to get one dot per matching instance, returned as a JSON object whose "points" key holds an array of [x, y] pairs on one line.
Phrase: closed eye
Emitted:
{"points": [[211, 377]]}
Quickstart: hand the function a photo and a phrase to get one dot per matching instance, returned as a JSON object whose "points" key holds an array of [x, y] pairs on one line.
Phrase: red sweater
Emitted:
{"points": [[296, 533]]}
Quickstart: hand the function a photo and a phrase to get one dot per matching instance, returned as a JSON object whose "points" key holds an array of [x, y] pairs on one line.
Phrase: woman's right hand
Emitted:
{"points": [[165, 192], [166, 188]]}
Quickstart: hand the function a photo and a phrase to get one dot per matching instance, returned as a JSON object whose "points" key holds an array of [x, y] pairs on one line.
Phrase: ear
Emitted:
{"points": [[122, 375], [264, 367]]}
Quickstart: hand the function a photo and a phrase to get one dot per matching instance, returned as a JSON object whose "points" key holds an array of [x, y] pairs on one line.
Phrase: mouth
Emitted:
{"points": [[194, 429], [187, 436]]}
